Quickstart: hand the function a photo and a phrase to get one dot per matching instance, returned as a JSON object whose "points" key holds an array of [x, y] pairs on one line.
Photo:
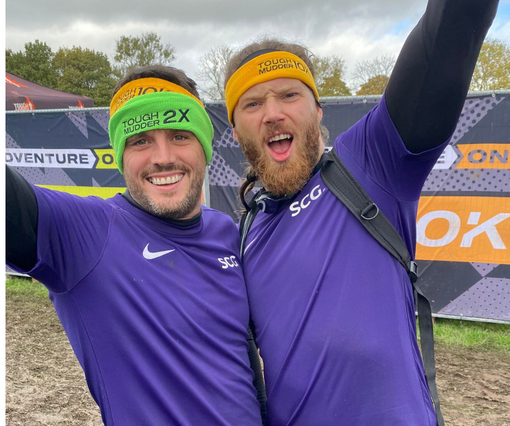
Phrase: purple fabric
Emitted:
{"points": [[333, 310], [162, 340]]}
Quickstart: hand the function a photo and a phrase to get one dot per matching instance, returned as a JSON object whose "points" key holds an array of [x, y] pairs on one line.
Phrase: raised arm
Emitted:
{"points": [[432, 74], [21, 221]]}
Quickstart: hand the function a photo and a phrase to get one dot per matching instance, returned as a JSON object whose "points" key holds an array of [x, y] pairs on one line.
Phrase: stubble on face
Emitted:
{"points": [[167, 209], [288, 177]]}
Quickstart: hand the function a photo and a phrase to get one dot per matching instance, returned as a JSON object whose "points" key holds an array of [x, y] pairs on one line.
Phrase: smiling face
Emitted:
{"points": [[277, 124], [164, 171]]}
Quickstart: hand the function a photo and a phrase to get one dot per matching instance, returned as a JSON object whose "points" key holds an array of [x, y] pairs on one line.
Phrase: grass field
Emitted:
{"points": [[46, 386], [478, 335], [25, 286]]}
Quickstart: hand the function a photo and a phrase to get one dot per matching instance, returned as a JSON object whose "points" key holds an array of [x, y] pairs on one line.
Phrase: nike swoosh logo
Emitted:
{"points": [[246, 248], [154, 255]]}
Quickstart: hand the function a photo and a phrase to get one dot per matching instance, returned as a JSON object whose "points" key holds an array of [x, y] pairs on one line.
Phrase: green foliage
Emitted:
{"points": [[492, 70], [33, 64], [374, 86], [84, 72], [329, 72], [141, 51]]}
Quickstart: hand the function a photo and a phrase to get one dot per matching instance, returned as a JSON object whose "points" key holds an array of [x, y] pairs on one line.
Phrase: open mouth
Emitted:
{"points": [[169, 180], [279, 146]]}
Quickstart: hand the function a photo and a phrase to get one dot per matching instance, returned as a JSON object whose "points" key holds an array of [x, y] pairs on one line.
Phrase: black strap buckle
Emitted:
{"points": [[413, 271], [367, 209]]}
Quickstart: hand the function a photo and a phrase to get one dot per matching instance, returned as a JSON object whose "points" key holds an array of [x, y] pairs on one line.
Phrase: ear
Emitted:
{"points": [[319, 112], [234, 134]]}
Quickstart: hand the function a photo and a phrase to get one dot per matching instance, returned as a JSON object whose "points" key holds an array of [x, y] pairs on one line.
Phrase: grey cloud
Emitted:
{"points": [[348, 28], [39, 14]]}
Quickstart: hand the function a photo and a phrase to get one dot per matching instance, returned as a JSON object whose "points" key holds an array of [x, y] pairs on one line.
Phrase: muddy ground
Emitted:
{"points": [[45, 384]]}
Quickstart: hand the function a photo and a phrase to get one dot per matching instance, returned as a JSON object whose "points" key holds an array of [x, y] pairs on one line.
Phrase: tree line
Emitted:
{"points": [[87, 72], [90, 73]]}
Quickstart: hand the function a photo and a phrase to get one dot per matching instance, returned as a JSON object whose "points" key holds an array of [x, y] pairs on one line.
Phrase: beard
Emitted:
{"points": [[163, 209], [290, 176]]}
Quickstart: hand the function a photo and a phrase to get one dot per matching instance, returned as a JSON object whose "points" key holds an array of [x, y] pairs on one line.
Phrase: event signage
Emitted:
{"points": [[463, 218]]}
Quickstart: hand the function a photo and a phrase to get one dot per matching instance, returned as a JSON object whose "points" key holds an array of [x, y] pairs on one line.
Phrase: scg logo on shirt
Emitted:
{"points": [[228, 262], [297, 206]]}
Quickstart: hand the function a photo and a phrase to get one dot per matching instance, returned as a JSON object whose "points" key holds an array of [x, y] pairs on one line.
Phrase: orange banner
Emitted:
{"points": [[484, 156], [464, 229]]}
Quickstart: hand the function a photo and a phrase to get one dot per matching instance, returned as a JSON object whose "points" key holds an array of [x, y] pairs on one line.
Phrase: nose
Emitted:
{"points": [[273, 111], [162, 152]]}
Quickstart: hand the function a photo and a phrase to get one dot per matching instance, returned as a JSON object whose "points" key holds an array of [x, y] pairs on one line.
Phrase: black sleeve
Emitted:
{"points": [[21, 221], [431, 78]]}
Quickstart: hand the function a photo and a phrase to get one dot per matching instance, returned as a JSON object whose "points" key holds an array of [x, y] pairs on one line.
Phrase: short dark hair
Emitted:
{"points": [[269, 43], [171, 74]]}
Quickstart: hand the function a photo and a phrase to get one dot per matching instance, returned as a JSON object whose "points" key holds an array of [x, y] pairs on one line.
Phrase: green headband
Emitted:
{"points": [[162, 110]]}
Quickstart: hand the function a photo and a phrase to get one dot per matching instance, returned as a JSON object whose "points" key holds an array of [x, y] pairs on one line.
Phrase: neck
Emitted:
{"points": [[177, 222]]}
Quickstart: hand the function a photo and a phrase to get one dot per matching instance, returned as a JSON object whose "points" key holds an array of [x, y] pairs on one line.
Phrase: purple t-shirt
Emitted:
{"points": [[333, 310], [157, 315]]}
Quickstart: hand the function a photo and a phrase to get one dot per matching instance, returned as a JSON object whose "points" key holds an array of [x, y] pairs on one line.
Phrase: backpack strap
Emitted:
{"points": [[347, 189], [245, 225], [258, 378], [253, 352]]}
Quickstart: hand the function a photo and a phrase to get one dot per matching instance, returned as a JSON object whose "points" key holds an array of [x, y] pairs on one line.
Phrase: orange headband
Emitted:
{"points": [[266, 67], [144, 86]]}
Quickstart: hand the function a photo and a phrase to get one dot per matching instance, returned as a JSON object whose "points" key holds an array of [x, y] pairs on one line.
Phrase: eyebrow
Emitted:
{"points": [[278, 91], [141, 134], [136, 137]]}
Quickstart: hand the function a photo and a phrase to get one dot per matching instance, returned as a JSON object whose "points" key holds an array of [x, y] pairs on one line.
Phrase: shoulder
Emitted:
{"points": [[220, 223], [62, 205], [66, 197], [212, 214]]}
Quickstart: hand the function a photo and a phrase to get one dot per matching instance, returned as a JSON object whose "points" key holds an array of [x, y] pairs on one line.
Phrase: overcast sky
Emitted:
{"points": [[352, 29]]}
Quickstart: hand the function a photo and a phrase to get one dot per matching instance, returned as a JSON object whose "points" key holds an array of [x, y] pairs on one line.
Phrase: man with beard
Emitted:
{"points": [[147, 284], [333, 311]]}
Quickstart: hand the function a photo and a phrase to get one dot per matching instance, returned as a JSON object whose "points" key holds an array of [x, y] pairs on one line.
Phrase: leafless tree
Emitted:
{"points": [[368, 69], [211, 73]]}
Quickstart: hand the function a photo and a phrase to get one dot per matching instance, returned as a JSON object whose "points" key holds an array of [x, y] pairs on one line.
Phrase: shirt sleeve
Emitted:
{"points": [[70, 237], [21, 221], [375, 154], [431, 78]]}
